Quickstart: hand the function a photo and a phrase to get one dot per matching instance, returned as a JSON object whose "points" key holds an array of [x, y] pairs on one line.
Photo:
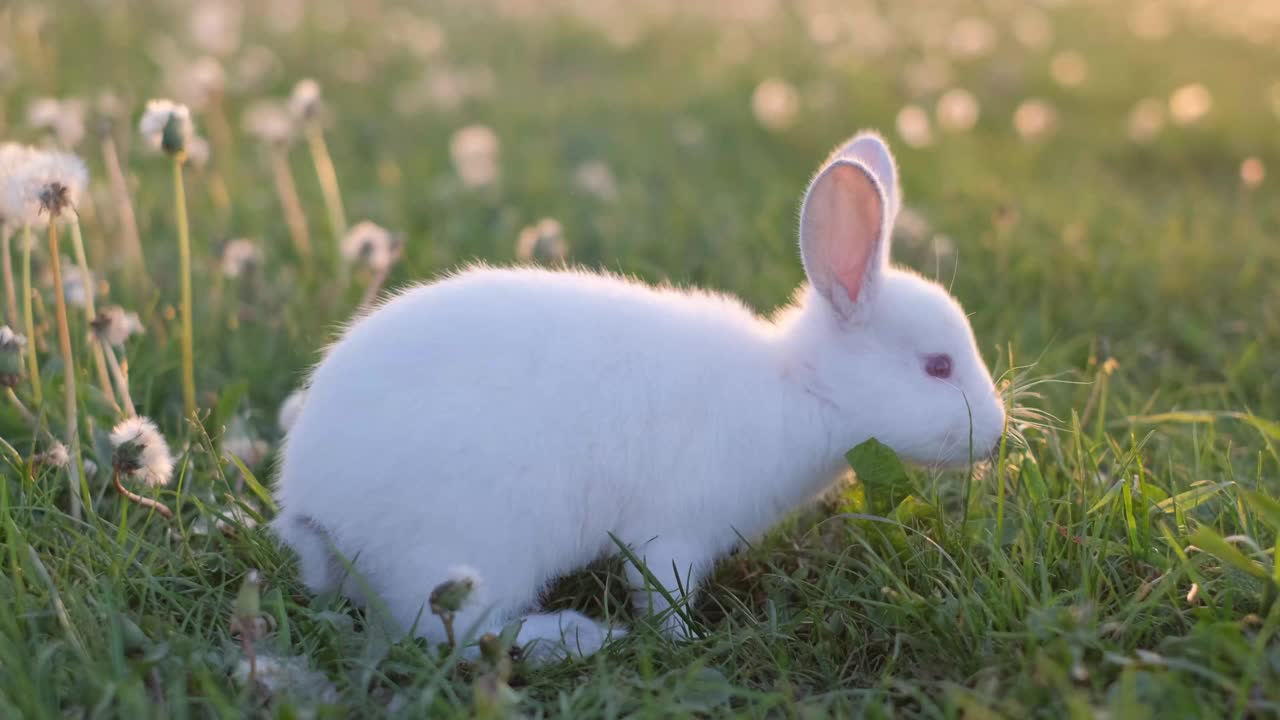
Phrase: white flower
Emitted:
{"points": [[475, 153], [595, 177], [775, 104], [287, 676], [290, 409], [268, 121], [41, 183], [304, 103], [372, 244], [913, 126], [1146, 120], [957, 110], [543, 241], [115, 325], [141, 451], [156, 116], [240, 255], [1190, 103], [972, 37], [1034, 119]]}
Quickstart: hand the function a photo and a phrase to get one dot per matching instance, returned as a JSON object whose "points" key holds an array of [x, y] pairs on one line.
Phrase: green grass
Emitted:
{"points": [[1060, 590]]}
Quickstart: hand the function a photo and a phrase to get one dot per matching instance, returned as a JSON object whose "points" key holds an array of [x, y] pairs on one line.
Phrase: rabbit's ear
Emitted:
{"points": [[870, 149], [842, 234]]}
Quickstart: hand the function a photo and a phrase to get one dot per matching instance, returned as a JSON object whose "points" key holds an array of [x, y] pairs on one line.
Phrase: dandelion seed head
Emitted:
{"points": [[157, 117], [475, 152], [776, 104], [1033, 29], [201, 82], [1190, 103], [1035, 119], [198, 151], [140, 452], [372, 244], [971, 37], [913, 126], [39, 184], [215, 25], [115, 325], [11, 359], [595, 177], [543, 241], [64, 119], [929, 75], [1146, 120], [239, 256], [1069, 69], [1252, 172], [56, 456], [268, 121], [304, 101], [76, 284], [957, 110]]}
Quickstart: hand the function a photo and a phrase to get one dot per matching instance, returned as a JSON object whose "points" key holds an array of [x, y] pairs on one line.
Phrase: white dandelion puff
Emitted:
{"points": [[304, 102], [371, 244], [116, 325], [1069, 69], [140, 452], [957, 110], [1034, 119], [475, 152], [268, 121], [913, 126], [1190, 103], [1252, 172], [543, 241], [40, 184], [775, 103], [239, 256], [166, 125], [595, 177], [1146, 120]]}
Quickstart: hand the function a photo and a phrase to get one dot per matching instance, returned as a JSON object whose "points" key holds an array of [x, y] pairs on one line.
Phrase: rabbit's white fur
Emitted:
{"points": [[512, 420]]}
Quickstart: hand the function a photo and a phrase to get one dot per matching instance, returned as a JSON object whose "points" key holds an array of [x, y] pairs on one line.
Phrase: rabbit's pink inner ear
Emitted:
{"points": [[843, 219]]}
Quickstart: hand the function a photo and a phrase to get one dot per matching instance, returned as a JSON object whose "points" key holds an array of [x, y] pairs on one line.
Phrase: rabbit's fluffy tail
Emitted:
{"points": [[316, 563], [554, 636]]}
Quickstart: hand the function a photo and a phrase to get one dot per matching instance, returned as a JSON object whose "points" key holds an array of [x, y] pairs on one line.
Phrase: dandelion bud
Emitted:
{"points": [[239, 256], [141, 452], [11, 346], [452, 595], [304, 103], [543, 241]]}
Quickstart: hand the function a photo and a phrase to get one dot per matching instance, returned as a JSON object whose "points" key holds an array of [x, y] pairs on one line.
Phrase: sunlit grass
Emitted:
{"points": [[1095, 183]]}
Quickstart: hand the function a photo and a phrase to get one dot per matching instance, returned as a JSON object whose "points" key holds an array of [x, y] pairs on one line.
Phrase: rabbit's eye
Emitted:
{"points": [[938, 366]]}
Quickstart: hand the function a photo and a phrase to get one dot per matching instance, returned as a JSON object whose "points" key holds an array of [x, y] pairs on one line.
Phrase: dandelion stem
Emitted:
{"points": [[33, 365], [122, 380], [375, 286], [135, 266], [184, 254], [30, 417], [289, 202], [135, 498], [328, 185], [10, 294], [91, 312], [68, 371]]}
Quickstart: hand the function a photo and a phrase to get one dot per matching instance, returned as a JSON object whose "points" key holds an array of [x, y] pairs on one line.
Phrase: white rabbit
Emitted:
{"points": [[511, 420]]}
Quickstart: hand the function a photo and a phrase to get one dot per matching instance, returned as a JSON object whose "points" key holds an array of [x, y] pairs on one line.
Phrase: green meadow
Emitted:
{"points": [[1096, 182]]}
